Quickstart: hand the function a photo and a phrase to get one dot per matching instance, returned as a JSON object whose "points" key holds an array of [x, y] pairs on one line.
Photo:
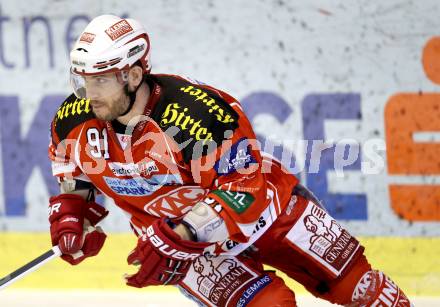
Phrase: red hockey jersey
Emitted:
{"points": [[193, 142]]}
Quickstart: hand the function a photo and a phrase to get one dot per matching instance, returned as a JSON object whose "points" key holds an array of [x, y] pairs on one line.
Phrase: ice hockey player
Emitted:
{"points": [[181, 159]]}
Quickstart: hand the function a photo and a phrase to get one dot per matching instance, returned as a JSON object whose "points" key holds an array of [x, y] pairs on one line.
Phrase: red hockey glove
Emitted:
{"points": [[164, 257], [68, 215], [92, 241]]}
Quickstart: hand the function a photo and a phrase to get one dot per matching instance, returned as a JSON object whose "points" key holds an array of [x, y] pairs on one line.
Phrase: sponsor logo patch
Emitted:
{"points": [[141, 186], [217, 279], [79, 63], [253, 289], [320, 236], [366, 286], [196, 119], [178, 116], [375, 284], [87, 37], [133, 169], [390, 294], [175, 203], [119, 29], [135, 50], [73, 108], [202, 97], [238, 157], [157, 242], [260, 225], [238, 201]]}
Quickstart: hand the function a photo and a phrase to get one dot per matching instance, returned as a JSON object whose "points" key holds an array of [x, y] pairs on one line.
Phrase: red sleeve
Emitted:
{"points": [[64, 130], [62, 161], [234, 177]]}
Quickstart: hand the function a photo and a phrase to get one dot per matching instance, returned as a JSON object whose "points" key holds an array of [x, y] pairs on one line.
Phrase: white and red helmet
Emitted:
{"points": [[110, 44]]}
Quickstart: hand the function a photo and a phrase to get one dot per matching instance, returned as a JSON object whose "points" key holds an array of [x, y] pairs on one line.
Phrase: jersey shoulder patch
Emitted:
{"points": [[70, 114], [200, 114]]}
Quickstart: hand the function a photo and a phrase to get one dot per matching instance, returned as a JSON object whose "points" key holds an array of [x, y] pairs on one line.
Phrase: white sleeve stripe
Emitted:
{"points": [[61, 168]]}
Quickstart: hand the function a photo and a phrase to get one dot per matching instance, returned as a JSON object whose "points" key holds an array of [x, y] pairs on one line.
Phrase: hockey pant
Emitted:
{"points": [[308, 245]]}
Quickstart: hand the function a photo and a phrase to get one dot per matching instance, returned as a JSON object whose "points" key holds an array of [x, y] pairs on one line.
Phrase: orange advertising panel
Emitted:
{"points": [[405, 115]]}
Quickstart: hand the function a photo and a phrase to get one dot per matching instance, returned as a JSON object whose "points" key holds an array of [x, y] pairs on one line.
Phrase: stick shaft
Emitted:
{"points": [[54, 252]]}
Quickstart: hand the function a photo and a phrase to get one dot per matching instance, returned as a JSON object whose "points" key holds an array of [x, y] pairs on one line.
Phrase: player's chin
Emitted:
{"points": [[99, 115], [102, 114]]}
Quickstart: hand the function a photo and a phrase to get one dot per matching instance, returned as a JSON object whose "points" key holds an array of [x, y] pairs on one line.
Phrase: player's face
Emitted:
{"points": [[107, 96]]}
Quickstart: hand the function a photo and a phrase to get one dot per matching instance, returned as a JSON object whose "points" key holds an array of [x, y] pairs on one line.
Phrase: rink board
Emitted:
{"points": [[412, 262]]}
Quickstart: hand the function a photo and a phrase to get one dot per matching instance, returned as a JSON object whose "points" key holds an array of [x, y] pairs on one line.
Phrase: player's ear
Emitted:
{"points": [[134, 77]]}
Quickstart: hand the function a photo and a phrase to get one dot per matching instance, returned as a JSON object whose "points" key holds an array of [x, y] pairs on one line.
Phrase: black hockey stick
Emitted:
{"points": [[54, 252]]}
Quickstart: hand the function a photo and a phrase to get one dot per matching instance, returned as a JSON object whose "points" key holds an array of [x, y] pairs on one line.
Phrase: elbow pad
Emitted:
{"points": [[205, 224]]}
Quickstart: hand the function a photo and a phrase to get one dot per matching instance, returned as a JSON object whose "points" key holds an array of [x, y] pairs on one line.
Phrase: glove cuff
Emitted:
{"points": [[163, 230], [95, 213]]}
